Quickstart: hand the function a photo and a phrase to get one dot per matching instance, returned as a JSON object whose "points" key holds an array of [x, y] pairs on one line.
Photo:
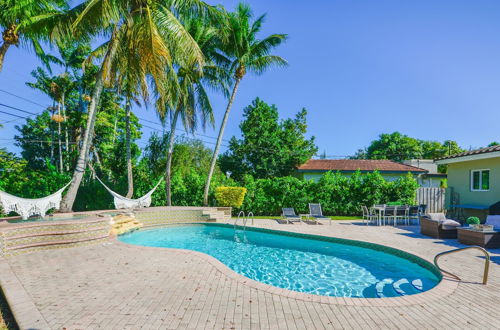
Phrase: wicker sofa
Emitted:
{"points": [[436, 225]]}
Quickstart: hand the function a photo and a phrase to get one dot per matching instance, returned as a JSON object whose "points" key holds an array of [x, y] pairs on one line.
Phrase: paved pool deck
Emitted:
{"points": [[113, 285]]}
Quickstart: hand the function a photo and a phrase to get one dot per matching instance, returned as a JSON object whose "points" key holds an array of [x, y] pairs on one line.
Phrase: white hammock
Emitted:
{"points": [[27, 207], [127, 203]]}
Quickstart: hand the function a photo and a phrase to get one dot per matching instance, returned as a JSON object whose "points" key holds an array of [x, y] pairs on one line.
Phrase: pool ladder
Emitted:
{"points": [[244, 219], [486, 261]]}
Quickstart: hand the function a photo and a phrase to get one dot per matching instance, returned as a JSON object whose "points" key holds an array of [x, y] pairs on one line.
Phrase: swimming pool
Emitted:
{"points": [[329, 267]]}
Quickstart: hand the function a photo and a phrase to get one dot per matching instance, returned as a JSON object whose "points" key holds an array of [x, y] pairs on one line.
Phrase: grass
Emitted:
{"points": [[7, 321], [334, 217]]}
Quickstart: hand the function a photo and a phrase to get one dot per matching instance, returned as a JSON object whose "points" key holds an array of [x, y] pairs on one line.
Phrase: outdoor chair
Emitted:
{"points": [[289, 215], [369, 215], [436, 225], [316, 213], [403, 214], [390, 214]]}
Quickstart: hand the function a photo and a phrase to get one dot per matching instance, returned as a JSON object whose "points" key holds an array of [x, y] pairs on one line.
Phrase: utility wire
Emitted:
{"points": [[14, 108], [22, 98]]}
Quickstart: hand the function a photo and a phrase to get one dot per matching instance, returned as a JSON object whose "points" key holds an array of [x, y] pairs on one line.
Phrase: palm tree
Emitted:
{"points": [[153, 30], [245, 53], [17, 18], [192, 98]]}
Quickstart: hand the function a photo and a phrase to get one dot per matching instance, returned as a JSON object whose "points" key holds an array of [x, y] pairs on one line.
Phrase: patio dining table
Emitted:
{"points": [[381, 211]]}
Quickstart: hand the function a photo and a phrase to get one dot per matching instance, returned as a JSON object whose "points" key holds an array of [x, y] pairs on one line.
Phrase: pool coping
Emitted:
{"points": [[445, 287]]}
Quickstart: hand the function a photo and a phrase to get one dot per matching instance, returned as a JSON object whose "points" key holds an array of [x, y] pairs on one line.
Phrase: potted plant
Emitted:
{"points": [[473, 222]]}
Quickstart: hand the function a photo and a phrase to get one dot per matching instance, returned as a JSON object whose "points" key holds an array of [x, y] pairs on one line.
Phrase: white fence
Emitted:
{"points": [[434, 198]]}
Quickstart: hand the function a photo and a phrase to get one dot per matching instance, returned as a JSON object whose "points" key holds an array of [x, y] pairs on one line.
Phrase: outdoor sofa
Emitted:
{"points": [[436, 225]]}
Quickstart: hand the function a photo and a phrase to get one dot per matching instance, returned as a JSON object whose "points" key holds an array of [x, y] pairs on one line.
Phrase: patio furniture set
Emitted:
{"points": [[438, 226], [383, 214]]}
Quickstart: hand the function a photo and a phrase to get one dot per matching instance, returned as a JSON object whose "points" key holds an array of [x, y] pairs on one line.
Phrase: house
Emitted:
{"points": [[473, 180], [432, 178], [313, 169]]}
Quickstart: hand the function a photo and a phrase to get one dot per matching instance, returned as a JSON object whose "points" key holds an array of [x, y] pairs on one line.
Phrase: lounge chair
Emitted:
{"points": [[289, 215], [316, 213], [436, 225]]}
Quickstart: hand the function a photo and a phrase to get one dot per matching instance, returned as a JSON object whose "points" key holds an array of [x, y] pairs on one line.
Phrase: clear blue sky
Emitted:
{"points": [[429, 69]]}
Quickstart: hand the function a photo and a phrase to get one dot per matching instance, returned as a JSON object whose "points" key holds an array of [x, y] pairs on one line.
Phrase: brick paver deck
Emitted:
{"points": [[119, 286]]}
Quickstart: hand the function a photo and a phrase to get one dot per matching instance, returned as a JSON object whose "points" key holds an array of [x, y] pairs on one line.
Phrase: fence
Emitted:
{"points": [[434, 198]]}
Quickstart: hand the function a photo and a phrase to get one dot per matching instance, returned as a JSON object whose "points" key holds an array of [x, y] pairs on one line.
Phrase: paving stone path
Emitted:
{"points": [[119, 286]]}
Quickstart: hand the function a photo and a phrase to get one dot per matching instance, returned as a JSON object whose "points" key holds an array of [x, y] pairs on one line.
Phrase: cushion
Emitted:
{"points": [[493, 220], [450, 224], [437, 216]]}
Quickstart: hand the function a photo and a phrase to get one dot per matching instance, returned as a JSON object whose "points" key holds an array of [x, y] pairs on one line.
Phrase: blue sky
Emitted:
{"points": [[429, 69]]}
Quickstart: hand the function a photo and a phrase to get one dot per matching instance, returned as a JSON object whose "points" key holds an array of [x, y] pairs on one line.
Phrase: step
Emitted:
{"points": [[403, 287], [54, 243]]}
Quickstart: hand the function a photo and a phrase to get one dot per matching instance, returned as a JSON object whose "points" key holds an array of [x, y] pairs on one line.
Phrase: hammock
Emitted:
{"points": [[27, 207], [127, 203]]}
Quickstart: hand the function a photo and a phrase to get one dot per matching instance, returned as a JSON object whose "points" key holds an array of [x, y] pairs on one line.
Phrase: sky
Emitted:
{"points": [[429, 69]]}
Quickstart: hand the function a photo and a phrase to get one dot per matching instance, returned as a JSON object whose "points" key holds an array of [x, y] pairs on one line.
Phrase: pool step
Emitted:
{"points": [[389, 287]]}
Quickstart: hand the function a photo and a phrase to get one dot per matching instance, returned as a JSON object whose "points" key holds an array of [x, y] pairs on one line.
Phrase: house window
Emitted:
{"points": [[480, 180]]}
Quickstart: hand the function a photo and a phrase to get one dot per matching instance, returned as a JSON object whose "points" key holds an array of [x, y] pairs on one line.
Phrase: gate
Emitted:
{"points": [[434, 198]]}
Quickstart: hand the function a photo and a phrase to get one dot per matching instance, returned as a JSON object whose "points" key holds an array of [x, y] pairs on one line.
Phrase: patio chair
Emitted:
{"points": [[316, 213], [436, 225], [289, 215], [403, 213], [369, 215]]}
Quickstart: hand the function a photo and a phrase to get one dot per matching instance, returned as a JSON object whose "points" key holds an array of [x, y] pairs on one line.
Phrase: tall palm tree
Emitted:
{"points": [[153, 29], [17, 18], [246, 53], [192, 101]]}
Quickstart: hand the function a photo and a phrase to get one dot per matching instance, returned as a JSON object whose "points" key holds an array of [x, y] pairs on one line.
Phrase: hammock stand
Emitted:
{"points": [[27, 207], [127, 203]]}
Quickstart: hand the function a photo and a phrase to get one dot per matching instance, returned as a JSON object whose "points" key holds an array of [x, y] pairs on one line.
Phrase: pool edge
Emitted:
{"points": [[444, 287]]}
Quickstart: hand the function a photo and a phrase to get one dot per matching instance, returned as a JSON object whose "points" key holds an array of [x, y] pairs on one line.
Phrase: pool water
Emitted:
{"points": [[293, 263]]}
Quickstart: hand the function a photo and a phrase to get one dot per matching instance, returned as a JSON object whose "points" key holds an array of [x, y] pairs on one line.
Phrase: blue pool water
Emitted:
{"points": [[299, 264]]}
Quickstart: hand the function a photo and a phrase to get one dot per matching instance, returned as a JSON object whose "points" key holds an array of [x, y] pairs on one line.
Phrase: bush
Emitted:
{"points": [[473, 221], [337, 193], [230, 196]]}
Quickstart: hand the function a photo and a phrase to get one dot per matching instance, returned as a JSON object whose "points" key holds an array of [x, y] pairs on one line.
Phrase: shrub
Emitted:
{"points": [[230, 196], [473, 221]]}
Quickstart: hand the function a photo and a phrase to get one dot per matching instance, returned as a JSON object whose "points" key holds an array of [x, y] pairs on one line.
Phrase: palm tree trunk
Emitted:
{"points": [[219, 141], [3, 50], [168, 173], [65, 131], [81, 163], [130, 177], [61, 168]]}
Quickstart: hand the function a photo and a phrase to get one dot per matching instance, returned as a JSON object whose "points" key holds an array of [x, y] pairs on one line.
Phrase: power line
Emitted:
{"points": [[11, 114], [22, 98], [14, 108]]}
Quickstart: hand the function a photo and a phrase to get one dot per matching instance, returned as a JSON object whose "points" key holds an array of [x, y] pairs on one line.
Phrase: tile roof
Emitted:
{"points": [[473, 152], [354, 164]]}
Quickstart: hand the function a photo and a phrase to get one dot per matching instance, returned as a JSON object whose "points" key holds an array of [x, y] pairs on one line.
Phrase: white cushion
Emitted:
{"points": [[450, 224], [437, 216], [493, 220]]}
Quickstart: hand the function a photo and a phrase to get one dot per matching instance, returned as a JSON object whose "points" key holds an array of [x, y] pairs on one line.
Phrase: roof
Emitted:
{"points": [[488, 152], [363, 165]]}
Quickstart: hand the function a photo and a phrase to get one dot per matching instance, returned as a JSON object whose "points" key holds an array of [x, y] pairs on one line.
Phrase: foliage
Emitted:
{"points": [[399, 147], [269, 147], [494, 143], [242, 51], [473, 221], [338, 194], [230, 196]]}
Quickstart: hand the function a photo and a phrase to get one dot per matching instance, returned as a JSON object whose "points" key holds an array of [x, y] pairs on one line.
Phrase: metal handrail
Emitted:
{"points": [[241, 214], [250, 214], [486, 261]]}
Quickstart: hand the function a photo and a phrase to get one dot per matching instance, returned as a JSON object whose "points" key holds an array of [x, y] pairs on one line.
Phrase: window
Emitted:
{"points": [[480, 180]]}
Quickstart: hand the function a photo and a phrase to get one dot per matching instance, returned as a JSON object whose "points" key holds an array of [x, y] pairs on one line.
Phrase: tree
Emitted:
{"points": [[245, 52], [16, 21], [152, 29], [193, 103], [269, 147], [494, 143], [399, 147]]}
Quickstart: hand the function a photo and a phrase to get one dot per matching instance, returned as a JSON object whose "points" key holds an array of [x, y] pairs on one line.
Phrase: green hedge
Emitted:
{"points": [[338, 194]]}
